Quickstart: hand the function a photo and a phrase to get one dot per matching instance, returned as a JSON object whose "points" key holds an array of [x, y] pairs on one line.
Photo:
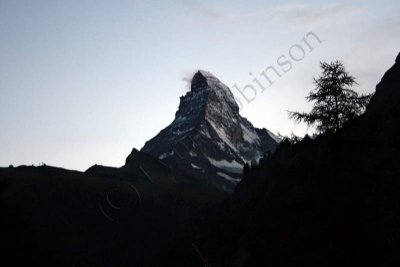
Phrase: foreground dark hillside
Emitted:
{"points": [[104, 217], [333, 201]]}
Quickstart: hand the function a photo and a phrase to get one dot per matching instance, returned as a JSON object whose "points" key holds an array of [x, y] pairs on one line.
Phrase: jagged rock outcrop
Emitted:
{"points": [[387, 91], [208, 137]]}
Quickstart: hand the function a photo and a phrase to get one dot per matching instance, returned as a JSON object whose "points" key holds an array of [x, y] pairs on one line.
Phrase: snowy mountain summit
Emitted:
{"points": [[208, 138]]}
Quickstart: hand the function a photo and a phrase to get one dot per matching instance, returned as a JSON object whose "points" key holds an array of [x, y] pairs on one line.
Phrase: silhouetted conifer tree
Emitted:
{"points": [[335, 103]]}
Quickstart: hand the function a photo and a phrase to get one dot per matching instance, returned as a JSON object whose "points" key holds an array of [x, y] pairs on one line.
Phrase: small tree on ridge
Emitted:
{"points": [[335, 103]]}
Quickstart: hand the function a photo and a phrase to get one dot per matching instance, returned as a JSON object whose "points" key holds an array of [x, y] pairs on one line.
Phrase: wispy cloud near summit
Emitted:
{"points": [[306, 14], [204, 9]]}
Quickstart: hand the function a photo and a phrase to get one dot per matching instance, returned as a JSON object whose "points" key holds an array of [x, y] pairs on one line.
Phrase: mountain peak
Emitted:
{"points": [[208, 137], [206, 74], [203, 79], [210, 91]]}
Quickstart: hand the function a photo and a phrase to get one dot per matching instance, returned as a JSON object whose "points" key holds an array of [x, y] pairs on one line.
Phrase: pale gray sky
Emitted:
{"points": [[83, 82]]}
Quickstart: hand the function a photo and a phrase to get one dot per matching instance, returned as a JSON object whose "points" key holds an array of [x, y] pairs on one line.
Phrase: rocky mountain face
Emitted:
{"points": [[208, 138]]}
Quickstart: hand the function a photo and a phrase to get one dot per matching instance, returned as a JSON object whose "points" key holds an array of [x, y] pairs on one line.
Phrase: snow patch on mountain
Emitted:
{"points": [[275, 137], [164, 155], [227, 177], [195, 166], [233, 166], [222, 135], [250, 135]]}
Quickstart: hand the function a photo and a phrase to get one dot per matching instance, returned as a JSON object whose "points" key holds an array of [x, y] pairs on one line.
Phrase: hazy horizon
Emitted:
{"points": [[84, 82]]}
